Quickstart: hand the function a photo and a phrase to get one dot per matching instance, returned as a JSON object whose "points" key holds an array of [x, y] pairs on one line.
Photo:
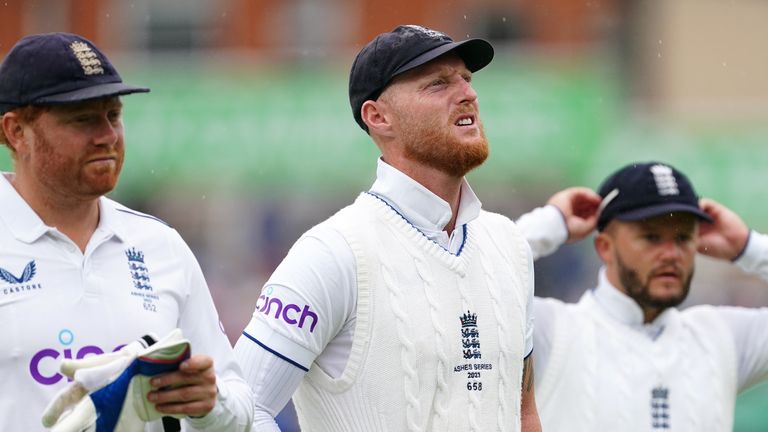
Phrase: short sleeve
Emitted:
{"points": [[308, 300]]}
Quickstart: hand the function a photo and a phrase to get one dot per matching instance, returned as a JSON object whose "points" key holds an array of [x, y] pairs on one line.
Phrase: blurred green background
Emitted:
{"points": [[290, 129]]}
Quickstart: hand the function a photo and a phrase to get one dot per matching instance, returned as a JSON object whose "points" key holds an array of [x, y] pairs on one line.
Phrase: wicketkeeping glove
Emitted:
{"points": [[109, 392]]}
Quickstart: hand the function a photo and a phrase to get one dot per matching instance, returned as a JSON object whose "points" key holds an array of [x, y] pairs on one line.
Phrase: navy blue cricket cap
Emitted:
{"points": [[57, 68], [405, 48], [645, 190]]}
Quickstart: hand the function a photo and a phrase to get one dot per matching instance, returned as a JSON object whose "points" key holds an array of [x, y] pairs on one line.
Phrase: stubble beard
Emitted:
{"points": [[641, 292], [432, 144], [69, 176]]}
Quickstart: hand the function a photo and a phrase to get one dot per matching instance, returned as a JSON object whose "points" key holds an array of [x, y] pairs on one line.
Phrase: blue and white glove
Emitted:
{"points": [[109, 392]]}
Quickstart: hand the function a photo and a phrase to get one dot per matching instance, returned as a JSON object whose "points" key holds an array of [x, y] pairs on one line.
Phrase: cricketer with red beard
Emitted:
{"points": [[421, 301]]}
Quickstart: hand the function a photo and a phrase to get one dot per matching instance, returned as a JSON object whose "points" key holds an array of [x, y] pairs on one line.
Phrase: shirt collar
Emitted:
{"points": [[26, 226], [109, 220], [18, 216], [422, 208], [624, 309]]}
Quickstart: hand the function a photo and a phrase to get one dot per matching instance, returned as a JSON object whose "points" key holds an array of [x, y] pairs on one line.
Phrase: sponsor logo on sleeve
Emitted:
{"points": [[290, 313]]}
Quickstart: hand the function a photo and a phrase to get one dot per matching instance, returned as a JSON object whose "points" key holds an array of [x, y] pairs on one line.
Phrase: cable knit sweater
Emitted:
{"points": [[439, 339]]}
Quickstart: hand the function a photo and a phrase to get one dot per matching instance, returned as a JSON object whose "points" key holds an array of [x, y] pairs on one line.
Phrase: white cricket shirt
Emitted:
{"points": [[136, 276], [599, 367]]}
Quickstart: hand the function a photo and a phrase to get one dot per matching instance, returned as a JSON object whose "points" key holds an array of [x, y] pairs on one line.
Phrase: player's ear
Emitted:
{"points": [[374, 114], [604, 247], [13, 130]]}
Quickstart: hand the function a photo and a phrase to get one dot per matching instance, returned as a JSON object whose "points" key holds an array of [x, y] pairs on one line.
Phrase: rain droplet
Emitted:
{"points": [[659, 55], [503, 19], [725, 63], [659, 41], [465, 17]]}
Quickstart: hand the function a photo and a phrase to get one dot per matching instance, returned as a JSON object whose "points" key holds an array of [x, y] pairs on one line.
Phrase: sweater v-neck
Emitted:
{"points": [[456, 262], [423, 209]]}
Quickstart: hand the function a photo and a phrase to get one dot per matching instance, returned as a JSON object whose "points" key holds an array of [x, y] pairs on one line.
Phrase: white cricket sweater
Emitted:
{"points": [[439, 340]]}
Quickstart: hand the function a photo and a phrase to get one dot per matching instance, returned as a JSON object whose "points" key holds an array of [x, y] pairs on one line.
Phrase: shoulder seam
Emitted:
{"points": [[134, 213]]}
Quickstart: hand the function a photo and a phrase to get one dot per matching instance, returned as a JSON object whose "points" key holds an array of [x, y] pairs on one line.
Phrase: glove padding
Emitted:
{"points": [[116, 386]]}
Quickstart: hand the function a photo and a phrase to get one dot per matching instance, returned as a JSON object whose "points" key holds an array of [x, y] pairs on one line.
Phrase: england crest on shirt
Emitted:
{"points": [[470, 336], [138, 269], [140, 278], [470, 349], [660, 408]]}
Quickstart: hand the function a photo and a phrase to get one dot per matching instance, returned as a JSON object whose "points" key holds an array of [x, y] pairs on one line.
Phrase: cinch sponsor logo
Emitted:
{"points": [[44, 364], [291, 313]]}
